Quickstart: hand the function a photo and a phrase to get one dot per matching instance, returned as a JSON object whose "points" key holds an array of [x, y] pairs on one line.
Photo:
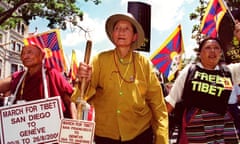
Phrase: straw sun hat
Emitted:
{"points": [[111, 21]]}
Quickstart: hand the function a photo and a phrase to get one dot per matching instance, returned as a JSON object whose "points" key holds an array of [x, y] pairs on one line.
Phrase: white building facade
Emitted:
{"points": [[11, 43]]}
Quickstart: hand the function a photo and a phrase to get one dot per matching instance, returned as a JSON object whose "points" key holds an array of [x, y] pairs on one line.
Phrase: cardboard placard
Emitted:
{"points": [[77, 131], [31, 122]]}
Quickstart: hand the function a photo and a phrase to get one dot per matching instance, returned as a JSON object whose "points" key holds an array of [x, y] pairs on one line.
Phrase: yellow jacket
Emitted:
{"points": [[124, 110]]}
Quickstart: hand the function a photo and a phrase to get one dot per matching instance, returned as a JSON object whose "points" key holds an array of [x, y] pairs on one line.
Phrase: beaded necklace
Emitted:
{"points": [[132, 78]]}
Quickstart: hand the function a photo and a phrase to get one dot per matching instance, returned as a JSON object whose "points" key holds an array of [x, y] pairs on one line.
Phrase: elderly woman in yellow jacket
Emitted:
{"points": [[124, 89]]}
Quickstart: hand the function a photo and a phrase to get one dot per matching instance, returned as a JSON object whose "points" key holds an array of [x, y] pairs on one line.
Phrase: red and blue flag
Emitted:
{"points": [[50, 42], [167, 57], [215, 11]]}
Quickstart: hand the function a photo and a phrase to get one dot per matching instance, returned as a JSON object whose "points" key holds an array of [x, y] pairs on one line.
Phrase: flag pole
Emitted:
{"points": [[229, 12], [80, 99]]}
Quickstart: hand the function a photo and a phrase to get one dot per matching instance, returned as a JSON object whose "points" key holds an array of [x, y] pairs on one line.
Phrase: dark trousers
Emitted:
{"points": [[235, 112], [144, 138]]}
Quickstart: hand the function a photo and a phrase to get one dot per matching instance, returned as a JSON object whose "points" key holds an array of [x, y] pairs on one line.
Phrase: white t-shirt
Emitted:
{"points": [[233, 97]]}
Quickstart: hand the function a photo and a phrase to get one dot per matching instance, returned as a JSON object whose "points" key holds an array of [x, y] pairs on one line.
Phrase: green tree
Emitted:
{"points": [[55, 11], [198, 15]]}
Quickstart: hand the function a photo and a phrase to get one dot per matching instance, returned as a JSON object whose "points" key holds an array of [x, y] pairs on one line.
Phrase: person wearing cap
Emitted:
{"points": [[28, 85], [203, 89], [124, 89]]}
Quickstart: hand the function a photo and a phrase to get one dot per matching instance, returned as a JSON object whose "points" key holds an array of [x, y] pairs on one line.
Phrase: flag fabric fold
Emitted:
{"points": [[73, 66], [167, 58], [50, 42], [214, 13]]}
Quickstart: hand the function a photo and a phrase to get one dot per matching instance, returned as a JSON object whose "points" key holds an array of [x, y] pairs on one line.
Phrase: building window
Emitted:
{"points": [[14, 68], [21, 68], [19, 47], [19, 27], [13, 45], [23, 29]]}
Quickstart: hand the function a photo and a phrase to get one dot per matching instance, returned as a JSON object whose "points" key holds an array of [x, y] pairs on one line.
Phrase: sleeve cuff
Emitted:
{"points": [[170, 101]]}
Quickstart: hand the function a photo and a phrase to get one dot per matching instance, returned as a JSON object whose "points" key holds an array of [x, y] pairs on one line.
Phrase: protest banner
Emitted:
{"points": [[77, 131], [31, 122]]}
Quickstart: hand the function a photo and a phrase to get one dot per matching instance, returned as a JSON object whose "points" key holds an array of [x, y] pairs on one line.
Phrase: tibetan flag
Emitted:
{"points": [[74, 66], [51, 43], [215, 11], [167, 57]]}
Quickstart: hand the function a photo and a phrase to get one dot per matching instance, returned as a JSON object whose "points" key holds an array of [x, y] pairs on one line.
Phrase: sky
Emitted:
{"points": [[166, 15]]}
